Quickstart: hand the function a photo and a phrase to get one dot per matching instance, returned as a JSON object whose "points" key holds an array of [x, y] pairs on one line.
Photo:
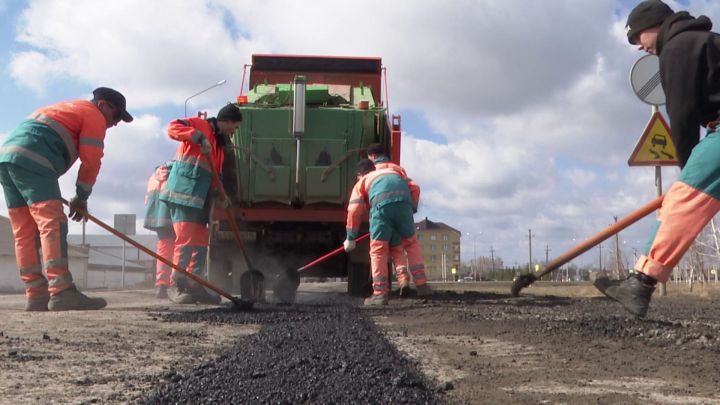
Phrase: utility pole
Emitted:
{"points": [[600, 248], [492, 258], [530, 250], [547, 251], [617, 253]]}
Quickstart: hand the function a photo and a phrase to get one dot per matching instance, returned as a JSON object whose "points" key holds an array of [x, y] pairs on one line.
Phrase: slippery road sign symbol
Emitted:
{"points": [[655, 147]]}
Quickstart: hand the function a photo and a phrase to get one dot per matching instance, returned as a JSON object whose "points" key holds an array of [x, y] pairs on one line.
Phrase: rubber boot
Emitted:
{"points": [[376, 300], [423, 290], [633, 293], [603, 282], [203, 296], [37, 304], [404, 291], [73, 300], [161, 292], [178, 296]]}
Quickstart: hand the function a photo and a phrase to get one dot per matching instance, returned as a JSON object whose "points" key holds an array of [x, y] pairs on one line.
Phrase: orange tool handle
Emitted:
{"points": [[329, 255], [602, 235], [126, 238]]}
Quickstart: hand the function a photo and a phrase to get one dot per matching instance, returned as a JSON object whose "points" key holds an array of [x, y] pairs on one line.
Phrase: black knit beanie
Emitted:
{"points": [[229, 113], [647, 14], [364, 166]]}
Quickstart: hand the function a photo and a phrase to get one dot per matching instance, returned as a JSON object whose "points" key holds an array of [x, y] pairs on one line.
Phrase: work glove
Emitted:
{"points": [[224, 202], [205, 146], [348, 245], [78, 209]]}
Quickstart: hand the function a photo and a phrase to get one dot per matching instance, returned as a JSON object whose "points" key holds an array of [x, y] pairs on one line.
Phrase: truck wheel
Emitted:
{"points": [[359, 281], [220, 274]]}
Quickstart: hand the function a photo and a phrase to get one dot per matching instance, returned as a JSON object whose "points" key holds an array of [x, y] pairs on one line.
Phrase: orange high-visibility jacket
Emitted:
{"points": [[191, 177], [374, 190], [52, 138], [382, 162]]}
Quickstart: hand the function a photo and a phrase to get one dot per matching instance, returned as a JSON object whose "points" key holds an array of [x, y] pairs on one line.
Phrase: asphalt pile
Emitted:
{"points": [[323, 353]]}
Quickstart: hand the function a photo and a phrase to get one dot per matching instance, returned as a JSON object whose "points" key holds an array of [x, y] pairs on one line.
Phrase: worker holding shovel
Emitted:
{"points": [[377, 154], [689, 57], [188, 193], [32, 158], [388, 197]]}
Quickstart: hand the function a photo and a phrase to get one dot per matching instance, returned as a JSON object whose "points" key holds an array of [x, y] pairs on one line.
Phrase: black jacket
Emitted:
{"points": [[690, 74]]}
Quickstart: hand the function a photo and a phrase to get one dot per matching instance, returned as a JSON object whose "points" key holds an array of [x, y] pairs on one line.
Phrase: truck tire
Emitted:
{"points": [[359, 281], [219, 272]]}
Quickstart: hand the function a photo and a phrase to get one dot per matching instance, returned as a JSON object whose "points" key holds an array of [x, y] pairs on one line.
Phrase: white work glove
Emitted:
{"points": [[205, 146], [349, 245], [224, 202]]}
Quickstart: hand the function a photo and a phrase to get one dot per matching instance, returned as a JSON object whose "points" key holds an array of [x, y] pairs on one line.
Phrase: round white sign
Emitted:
{"points": [[645, 80]]}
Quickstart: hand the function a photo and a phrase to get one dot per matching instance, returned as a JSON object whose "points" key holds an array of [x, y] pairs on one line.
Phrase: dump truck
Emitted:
{"points": [[290, 168]]}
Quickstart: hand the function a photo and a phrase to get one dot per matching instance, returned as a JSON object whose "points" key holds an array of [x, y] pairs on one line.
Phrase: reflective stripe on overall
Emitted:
{"points": [[37, 219]]}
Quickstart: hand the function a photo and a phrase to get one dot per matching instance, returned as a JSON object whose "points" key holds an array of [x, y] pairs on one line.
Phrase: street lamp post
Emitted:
{"points": [[221, 82]]}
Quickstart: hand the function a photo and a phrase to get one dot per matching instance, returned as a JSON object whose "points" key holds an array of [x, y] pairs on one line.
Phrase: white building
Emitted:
{"points": [[98, 264], [9, 273], [115, 264]]}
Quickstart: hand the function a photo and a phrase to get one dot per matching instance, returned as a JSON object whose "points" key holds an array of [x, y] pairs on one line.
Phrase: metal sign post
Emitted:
{"points": [[124, 223], [645, 82]]}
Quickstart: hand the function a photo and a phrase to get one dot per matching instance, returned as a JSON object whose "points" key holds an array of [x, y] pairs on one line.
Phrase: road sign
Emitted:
{"points": [[645, 80], [655, 146], [125, 223]]}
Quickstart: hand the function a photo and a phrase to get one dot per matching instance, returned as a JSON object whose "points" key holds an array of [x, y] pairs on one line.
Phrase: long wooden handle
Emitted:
{"points": [[331, 254], [131, 241], [228, 211], [602, 235]]}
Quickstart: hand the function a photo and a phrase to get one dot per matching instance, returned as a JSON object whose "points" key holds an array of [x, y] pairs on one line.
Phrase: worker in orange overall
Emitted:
{"points": [[32, 158], [376, 152], [389, 198], [188, 195], [157, 218]]}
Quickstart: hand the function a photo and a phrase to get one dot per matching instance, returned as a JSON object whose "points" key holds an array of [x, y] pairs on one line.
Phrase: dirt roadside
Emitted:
{"points": [[570, 347], [554, 344], [106, 356]]}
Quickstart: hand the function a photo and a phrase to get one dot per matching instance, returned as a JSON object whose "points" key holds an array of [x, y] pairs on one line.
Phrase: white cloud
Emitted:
{"points": [[531, 98]]}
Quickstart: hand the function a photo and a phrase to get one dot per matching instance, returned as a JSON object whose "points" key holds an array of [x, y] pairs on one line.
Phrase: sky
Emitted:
{"points": [[518, 116]]}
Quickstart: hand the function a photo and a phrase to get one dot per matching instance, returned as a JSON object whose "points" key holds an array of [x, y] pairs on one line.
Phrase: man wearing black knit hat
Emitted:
{"points": [[689, 57], [187, 195]]}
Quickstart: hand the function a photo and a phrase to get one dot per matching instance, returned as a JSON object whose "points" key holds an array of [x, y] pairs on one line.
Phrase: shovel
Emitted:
{"points": [[525, 280], [286, 287], [237, 302], [252, 282]]}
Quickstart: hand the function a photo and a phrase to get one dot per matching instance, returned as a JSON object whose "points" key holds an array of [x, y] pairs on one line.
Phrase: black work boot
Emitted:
{"points": [[73, 300], [633, 293], [37, 304], [161, 291], [180, 296], [404, 290], [603, 282], [203, 296]]}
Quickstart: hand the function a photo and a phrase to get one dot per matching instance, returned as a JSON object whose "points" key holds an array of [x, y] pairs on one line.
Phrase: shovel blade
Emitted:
{"points": [[252, 286], [286, 286]]}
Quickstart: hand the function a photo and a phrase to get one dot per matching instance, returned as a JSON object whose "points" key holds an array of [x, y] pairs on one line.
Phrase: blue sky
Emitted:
{"points": [[517, 114]]}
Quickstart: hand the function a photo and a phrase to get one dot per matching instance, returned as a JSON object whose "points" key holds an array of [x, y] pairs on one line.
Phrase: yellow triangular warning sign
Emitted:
{"points": [[655, 146]]}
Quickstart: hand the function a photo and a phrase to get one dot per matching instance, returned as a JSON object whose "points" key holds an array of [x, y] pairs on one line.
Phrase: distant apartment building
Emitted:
{"points": [[440, 245]]}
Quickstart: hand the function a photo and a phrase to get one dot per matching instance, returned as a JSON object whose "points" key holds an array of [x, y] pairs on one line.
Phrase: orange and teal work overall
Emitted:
{"points": [[157, 218], [187, 193], [397, 248], [389, 199], [32, 158], [690, 203]]}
